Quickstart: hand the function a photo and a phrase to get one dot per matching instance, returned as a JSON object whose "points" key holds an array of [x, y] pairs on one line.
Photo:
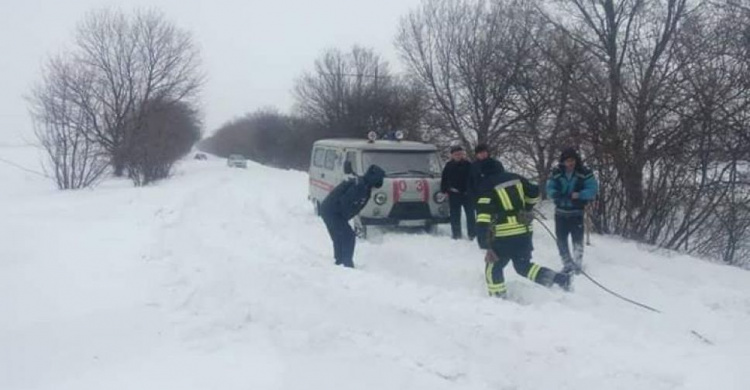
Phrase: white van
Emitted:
{"points": [[410, 195]]}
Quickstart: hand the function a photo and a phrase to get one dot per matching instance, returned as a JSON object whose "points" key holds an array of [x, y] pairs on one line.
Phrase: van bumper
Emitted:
{"points": [[402, 222]]}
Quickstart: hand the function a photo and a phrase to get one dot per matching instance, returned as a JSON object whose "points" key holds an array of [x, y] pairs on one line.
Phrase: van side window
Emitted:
{"points": [[352, 158], [330, 159], [319, 157]]}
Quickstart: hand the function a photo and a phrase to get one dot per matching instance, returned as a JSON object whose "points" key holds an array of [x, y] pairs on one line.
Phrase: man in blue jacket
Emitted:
{"points": [[342, 204], [571, 186]]}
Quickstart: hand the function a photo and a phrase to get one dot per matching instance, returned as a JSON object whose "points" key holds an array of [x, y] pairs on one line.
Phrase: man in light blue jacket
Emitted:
{"points": [[571, 185]]}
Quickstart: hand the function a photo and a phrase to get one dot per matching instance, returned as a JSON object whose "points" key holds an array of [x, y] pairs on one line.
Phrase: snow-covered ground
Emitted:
{"points": [[223, 279]]}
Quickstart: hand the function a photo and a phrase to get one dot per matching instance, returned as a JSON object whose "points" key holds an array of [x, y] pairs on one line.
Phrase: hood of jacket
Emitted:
{"points": [[570, 153], [374, 176]]}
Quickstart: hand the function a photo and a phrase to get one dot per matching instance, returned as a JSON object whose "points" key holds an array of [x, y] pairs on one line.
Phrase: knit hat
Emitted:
{"points": [[569, 153], [456, 148]]}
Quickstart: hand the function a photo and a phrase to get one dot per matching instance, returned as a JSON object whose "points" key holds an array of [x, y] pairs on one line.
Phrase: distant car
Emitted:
{"points": [[237, 161], [201, 156]]}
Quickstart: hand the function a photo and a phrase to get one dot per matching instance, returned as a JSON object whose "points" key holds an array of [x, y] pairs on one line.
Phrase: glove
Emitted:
{"points": [[490, 256], [485, 234], [525, 217]]}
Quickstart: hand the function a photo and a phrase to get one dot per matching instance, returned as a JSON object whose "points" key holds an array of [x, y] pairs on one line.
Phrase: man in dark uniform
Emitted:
{"points": [[454, 183], [344, 202], [571, 185], [504, 229]]}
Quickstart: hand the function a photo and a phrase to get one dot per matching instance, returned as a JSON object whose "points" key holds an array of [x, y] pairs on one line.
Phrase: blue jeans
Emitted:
{"points": [[570, 226]]}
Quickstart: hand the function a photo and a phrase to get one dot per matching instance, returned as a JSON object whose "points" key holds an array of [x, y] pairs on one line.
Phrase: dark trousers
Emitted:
{"points": [[343, 239], [458, 201], [570, 226], [523, 266]]}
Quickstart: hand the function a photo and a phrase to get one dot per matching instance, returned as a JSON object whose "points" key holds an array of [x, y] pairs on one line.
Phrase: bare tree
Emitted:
{"points": [[74, 160], [556, 65], [355, 92], [663, 108], [168, 131], [656, 94], [133, 60], [469, 55], [716, 214], [629, 96], [268, 137]]}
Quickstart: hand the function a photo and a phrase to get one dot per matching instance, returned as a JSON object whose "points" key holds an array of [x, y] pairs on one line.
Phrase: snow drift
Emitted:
{"points": [[223, 279]]}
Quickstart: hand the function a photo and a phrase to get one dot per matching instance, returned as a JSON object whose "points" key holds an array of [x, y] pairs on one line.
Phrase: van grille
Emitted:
{"points": [[410, 210]]}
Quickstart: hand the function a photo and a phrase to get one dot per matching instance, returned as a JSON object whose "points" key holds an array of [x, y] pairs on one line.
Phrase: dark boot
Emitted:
{"points": [[544, 276], [563, 280], [571, 269]]}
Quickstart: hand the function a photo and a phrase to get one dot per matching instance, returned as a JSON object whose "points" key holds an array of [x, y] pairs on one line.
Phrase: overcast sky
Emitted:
{"points": [[252, 50]]}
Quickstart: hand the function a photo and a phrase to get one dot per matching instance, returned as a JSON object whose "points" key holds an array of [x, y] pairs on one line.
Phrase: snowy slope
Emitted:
{"points": [[223, 279]]}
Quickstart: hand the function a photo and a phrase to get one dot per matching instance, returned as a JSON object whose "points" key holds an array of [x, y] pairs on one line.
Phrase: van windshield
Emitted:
{"points": [[406, 163]]}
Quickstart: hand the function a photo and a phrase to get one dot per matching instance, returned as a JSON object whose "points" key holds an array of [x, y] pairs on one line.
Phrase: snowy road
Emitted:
{"points": [[223, 279]]}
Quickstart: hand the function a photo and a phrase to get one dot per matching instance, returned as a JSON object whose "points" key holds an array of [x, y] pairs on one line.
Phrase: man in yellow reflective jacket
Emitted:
{"points": [[504, 228]]}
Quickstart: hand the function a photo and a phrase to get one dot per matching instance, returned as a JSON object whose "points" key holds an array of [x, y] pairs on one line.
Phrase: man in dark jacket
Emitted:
{"points": [[344, 202], [571, 185], [504, 229], [454, 183]]}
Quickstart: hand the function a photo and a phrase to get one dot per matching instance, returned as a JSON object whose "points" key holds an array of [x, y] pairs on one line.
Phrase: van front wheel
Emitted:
{"points": [[360, 230], [431, 228]]}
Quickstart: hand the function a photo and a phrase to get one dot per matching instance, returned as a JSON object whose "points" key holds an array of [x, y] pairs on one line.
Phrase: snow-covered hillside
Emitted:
{"points": [[224, 279]]}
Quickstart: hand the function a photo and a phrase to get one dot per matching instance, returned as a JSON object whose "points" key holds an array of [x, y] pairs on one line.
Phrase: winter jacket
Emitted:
{"points": [[561, 185], [455, 176], [503, 198], [349, 197]]}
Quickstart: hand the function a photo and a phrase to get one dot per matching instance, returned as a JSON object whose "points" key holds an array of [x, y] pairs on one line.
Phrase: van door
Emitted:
{"points": [[319, 187], [331, 175]]}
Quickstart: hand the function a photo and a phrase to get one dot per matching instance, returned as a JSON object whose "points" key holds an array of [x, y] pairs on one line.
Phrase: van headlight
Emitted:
{"points": [[439, 197], [380, 198]]}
